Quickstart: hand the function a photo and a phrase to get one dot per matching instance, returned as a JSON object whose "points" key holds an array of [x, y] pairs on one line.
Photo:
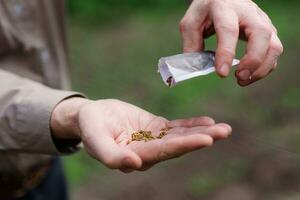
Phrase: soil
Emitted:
{"points": [[247, 166]]}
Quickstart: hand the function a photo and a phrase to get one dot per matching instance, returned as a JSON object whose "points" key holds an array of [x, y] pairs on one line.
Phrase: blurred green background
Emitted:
{"points": [[114, 49]]}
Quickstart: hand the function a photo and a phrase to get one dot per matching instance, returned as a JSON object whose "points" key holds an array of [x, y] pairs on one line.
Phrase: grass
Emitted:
{"points": [[225, 173], [119, 60]]}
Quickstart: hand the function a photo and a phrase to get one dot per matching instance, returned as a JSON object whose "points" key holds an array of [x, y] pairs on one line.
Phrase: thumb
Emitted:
{"points": [[106, 150]]}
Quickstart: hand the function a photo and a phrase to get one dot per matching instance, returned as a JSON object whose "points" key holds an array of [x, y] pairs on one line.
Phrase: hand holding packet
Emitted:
{"points": [[177, 68]]}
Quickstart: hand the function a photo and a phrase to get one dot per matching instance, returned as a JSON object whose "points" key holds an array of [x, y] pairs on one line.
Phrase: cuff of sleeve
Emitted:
{"points": [[33, 120]]}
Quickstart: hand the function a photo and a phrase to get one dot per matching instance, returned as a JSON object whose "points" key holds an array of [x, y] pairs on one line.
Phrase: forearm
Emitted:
{"points": [[25, 111]]}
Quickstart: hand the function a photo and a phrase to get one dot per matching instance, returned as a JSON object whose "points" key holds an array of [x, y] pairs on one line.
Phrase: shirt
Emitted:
{"points": [[34, 78]]}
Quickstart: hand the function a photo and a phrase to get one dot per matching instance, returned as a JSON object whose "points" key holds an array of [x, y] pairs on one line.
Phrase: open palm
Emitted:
{"points": [[107, 125]]}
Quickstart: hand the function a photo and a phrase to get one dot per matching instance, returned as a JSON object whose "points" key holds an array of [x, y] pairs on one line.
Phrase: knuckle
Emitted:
{"points": [[228, 52], [264, 27], [188, 24], [265, 30], [278, 48], [228, 28]]}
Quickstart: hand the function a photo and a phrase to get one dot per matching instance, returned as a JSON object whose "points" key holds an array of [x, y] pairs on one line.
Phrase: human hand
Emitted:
{"points": [[231, 20], [105, 128]]}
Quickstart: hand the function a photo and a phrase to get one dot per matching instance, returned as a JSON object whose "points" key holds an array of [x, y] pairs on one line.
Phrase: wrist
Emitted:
{"points": [[64, 119]]}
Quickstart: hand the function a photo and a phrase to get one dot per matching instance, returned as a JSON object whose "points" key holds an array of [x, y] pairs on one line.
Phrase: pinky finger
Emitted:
{"points": [[269, 64]]}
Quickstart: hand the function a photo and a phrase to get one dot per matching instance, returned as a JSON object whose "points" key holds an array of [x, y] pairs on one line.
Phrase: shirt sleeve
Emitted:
{"points": [[25, 112]]}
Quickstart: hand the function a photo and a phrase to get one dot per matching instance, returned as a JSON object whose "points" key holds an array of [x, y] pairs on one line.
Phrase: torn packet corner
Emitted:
{"points": [[181, 67]]}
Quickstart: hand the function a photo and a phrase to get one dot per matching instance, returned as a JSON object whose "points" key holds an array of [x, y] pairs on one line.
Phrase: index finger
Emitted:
{"points": [[227, 30], [166, 148], [181, 140], [191, 28]]}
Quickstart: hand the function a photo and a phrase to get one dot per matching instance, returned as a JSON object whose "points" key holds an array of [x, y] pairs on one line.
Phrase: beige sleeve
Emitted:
{"points": [[25, 111]]}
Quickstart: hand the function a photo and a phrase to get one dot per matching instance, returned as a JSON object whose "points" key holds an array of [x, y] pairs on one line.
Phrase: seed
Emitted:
{"points": [[163, 132], [165, 129], [161, 135], [147, 135]]}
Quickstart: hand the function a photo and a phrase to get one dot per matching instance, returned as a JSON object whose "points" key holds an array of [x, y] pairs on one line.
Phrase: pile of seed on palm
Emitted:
{"points": [[147, 135]]}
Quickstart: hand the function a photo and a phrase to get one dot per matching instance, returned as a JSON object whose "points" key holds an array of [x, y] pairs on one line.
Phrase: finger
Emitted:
{"points": [[217, 131], [227, 30], [192, 38], [191, 122], [178, 146], [191, 28], [158, 150], [257, 48], [275, 50], [269, 64], [179, 141], [268, 20], [113, 156]]}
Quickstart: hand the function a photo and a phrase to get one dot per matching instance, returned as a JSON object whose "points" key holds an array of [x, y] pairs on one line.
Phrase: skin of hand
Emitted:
{"points": [[231, 20], [105, 128]]}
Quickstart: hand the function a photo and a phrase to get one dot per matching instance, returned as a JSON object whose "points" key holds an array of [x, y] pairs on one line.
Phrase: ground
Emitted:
{"points": [[260, 160]]}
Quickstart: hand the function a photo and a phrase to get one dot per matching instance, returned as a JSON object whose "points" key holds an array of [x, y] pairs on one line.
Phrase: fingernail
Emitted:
{"points": [[224, 70], [244, 75]]}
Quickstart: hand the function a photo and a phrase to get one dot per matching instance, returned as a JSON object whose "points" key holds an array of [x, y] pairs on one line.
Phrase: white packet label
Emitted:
{"points": [[177, 68]]}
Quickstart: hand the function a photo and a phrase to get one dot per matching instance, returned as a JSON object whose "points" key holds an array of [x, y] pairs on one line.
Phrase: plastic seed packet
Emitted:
{"points": [[181, 67]]}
